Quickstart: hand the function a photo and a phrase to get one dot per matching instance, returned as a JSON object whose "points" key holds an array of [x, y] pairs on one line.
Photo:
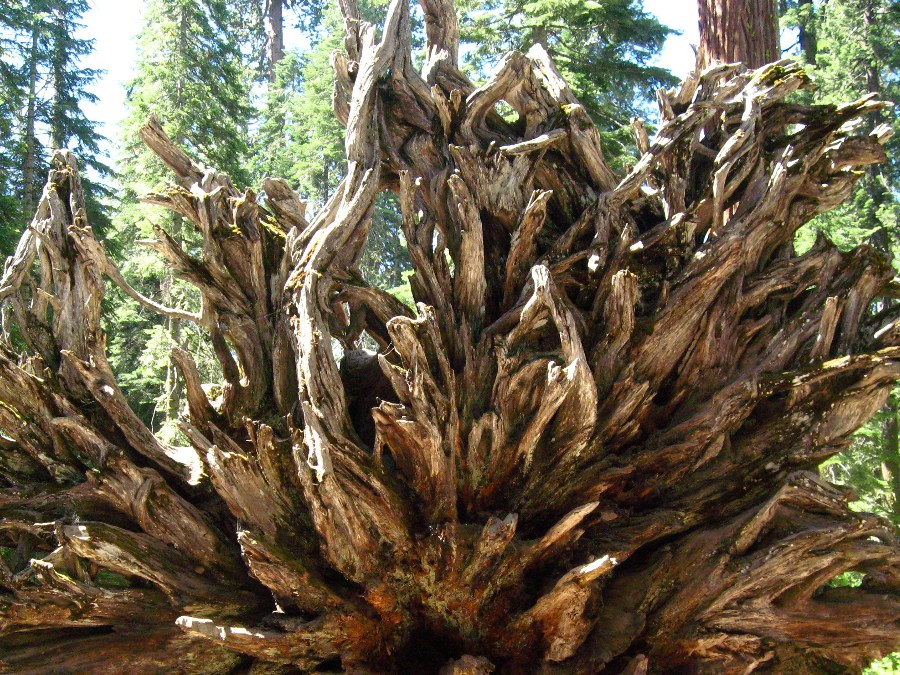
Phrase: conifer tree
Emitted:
{"points": [[307, 15], [67, 125], [12, 25], [300, 139], [738, 31], [42, 88], [318, 150], [190, 73]]}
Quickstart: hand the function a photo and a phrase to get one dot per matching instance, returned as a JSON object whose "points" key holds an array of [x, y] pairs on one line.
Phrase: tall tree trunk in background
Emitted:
{"points": [[876, 187], [58, 63], [30, 140], [807, 34], [173, 391], [274, 15], [591, 447], [744, 31]]}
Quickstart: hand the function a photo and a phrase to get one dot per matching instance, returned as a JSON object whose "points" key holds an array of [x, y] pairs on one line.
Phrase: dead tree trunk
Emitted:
{"points": [[590, 448]]}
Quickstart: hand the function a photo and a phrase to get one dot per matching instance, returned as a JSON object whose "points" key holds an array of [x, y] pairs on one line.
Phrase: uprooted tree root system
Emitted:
{"points": [[593, 444]]}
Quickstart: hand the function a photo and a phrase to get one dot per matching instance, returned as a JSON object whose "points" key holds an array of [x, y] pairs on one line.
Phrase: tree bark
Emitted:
{"points": [[58, 64], [29, 137], [738, 31], [589, 448], [806, 31], [274, 14]]}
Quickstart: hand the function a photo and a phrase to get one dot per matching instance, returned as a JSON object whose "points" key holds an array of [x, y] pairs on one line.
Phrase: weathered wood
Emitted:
{"points": [[587, 449]]}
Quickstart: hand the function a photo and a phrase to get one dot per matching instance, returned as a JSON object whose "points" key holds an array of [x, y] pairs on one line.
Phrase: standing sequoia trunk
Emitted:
{"points": [[590, 448], [738, 31]]}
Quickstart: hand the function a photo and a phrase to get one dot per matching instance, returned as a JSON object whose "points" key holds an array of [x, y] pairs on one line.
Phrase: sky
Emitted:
{"points": [[114, 25]]}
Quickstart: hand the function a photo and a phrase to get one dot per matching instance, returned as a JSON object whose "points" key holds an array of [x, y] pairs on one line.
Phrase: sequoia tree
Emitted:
{"points": [[744, 31], [590, 447]]}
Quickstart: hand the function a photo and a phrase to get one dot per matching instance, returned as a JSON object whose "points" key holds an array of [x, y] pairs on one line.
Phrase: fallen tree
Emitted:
{"points": [[591, 447]]}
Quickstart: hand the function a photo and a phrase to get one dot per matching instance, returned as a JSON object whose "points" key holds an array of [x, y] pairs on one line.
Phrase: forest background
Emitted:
{"points": [[246, 86]]}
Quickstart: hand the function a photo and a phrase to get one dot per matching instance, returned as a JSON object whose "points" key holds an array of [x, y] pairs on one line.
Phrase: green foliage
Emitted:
{"points": [[860, 466], [849, 579], [68, 126], [318, 137], [889, 665], [42, 88], [13, 23], [385, 260], [299, 138], [856, 54], [852, 46], [403, 292], [272, 142], [192, 74]]}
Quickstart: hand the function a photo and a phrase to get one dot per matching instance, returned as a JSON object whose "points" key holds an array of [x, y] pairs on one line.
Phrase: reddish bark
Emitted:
{"points": [[738, 31]]}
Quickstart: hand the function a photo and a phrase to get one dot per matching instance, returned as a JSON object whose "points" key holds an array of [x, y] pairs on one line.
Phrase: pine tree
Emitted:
{"points": [[67, 125], [31, 164], [318, 137], [191, 75], [13, 23], [301, 140], [857, 55], [307, 15], [272, 151], [43, 87]]}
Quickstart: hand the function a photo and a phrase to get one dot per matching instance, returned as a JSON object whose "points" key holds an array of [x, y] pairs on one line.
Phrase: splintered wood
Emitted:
{"points": [[590, 447]]}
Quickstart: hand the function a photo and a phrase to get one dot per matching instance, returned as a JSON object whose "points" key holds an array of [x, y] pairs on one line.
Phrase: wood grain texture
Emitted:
{"points": [[589, 448]]}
